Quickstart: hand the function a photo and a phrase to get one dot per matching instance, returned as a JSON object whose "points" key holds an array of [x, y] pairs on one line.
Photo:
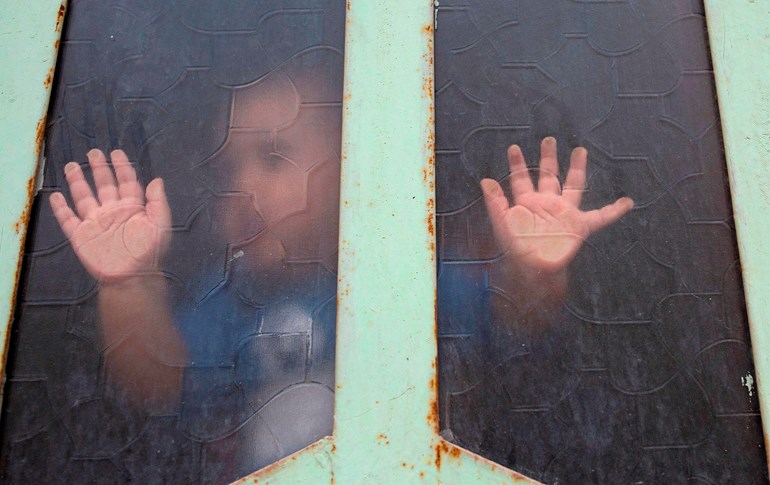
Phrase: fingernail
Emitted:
{"points": [[70, 167], [487, 185], [549, 140]]}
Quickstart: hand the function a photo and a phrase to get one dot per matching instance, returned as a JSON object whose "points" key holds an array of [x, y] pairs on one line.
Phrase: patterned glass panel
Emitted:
{"points": [[190, 339], [578, 346]]}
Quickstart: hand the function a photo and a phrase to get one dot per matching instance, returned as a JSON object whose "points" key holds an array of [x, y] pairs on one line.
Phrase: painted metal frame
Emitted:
{"points": [[386, 418], [29, 42], [739, 34]]}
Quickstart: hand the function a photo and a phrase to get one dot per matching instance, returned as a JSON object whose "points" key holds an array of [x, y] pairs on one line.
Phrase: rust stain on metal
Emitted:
{"points": [[428, 173], [13, 298], [449, 451], [11, 313], [20, 227], [49, 77], [39, 134], [445, 449], [383, 439], [23, 220], [60, 17], [427, 86], [348, 19], [21, 223], [433, 409], [433, 386]]}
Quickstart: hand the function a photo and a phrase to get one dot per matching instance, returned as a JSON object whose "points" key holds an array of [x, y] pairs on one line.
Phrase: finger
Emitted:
{"points": [[548, 178], [496, 203], [576, 176], [128, 186], [82, 196], [66, 218], [104, 180], [520, 181], [157, 207], [600, 218]]}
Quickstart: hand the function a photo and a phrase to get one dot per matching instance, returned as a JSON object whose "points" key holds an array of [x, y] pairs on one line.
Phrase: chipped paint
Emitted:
{"points": [[748, 383]]}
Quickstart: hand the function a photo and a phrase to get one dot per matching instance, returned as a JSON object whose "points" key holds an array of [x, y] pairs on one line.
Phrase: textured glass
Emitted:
{"points": [[629, 360], [205, 349]]}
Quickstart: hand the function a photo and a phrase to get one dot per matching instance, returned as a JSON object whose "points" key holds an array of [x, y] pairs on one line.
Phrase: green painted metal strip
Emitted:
{"points": [[386, 341], [385, 413], [29, 36], [739, 34], [309, 465], [386, 423]]}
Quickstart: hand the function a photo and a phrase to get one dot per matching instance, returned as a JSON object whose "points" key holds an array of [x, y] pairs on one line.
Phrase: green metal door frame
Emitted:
{"points": [[386, 420], [29, 42]]}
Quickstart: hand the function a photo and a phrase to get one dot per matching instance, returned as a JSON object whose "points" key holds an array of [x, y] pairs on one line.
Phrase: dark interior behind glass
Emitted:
{"points": [[645, 373], [237, 107]]}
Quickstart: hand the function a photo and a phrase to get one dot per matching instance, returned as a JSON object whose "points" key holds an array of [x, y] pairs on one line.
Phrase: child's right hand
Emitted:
{"points": [[544, 229]]}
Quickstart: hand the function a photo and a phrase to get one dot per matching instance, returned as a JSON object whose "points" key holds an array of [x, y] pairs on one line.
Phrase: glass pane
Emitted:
{"points": [[579, 346], [189, 338]]}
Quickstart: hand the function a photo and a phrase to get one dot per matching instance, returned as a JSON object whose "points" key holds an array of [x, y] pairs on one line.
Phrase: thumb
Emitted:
{"points": [[497, 204], [157, 207], [600, 218]]}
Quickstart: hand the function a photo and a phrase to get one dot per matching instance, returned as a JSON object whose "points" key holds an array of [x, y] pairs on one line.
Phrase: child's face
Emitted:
{"points": [[284, 152]]}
